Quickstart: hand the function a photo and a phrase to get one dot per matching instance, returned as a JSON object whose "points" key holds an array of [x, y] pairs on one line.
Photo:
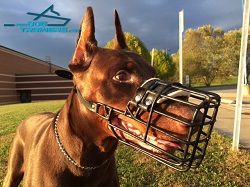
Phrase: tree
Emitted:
{"points": [[134, 44], [231, 50], [210, 54], [203, 55], [164, 64], [232, 44]]}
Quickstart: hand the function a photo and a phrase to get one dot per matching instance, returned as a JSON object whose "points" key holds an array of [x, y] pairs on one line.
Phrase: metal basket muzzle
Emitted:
{"points": [[153, 93]]}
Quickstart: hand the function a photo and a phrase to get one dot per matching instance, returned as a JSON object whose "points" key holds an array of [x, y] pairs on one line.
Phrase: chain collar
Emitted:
{"points": [[67, 155]]}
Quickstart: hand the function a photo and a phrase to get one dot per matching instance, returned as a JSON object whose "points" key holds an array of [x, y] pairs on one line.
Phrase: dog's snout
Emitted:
{"points": [[180, 111]]}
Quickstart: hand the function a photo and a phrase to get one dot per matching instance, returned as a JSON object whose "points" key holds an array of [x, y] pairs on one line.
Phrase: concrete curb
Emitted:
{"points": [[228, 101]]}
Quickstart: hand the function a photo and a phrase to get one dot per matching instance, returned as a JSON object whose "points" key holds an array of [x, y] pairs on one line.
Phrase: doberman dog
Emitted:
{"points": [[76, 146]]}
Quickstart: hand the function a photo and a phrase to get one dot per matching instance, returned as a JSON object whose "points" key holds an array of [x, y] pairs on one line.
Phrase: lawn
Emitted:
{"points": [[221, 166], [230, 81]]}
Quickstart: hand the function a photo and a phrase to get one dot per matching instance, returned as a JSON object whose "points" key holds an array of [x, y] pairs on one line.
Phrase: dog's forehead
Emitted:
{"points": [[120, 58]]}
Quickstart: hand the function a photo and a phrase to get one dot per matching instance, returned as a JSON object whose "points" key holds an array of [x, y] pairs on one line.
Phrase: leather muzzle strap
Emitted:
{"points": [[94, 106], [90, 105]]}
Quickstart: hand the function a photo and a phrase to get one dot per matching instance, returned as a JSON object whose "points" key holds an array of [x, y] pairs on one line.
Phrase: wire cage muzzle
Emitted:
{"points": [[155, 92], [152, 94]]}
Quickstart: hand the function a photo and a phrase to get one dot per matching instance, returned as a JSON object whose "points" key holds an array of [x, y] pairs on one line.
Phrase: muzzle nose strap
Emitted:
{"points": [[153, 89]]}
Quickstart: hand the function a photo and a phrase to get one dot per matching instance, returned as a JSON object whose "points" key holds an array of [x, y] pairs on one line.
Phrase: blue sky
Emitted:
{"points": [[155, 22]]}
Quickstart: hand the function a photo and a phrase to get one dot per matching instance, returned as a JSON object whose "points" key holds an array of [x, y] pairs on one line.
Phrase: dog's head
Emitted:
{"points": [[143, 112], [115, 74]]}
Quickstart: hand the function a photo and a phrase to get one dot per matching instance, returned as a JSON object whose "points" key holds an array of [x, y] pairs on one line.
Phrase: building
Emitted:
{"points": [[24, 79]]}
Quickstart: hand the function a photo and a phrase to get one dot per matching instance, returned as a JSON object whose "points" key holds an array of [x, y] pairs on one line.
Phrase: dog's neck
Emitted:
{"points": [[77, 130]]}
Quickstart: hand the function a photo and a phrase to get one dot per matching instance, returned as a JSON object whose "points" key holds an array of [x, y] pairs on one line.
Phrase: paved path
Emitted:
{"points": [[226, 114], [225, 124]]}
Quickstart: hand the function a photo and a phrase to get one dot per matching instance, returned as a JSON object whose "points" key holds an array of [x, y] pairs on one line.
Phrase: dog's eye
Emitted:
{"points": [[122, 76]]}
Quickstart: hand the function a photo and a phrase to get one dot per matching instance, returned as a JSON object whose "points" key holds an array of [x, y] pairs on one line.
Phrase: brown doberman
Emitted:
{"points": [[76, 146]]}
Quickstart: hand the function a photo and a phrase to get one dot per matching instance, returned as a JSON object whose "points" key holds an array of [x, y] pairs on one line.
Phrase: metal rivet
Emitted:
{"points": [[148, 102], [137, 98]]}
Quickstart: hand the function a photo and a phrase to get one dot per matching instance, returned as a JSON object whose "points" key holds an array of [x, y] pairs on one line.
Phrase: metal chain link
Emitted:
{"points": [[67, 155]]}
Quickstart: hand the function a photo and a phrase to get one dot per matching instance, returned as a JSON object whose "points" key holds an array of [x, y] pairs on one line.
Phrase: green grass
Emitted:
{"points": [[221, 166], [230, 81]]}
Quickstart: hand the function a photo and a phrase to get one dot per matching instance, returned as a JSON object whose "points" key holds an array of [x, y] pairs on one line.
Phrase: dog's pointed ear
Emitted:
{"points": [[119, 41], [86, 43]]}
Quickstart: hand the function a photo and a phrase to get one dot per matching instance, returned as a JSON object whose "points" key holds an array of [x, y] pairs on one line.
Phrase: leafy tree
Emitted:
{"points": [[231, 49], [164, 64], [134, 44], [203, 54], [210, 54], [232, 44]]}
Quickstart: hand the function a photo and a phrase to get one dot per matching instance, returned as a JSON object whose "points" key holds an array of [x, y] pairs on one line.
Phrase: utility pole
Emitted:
{"points": [[48, 60], [181, 29], [246, 70], [242, 65], [152, 57], [168, 49]]}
